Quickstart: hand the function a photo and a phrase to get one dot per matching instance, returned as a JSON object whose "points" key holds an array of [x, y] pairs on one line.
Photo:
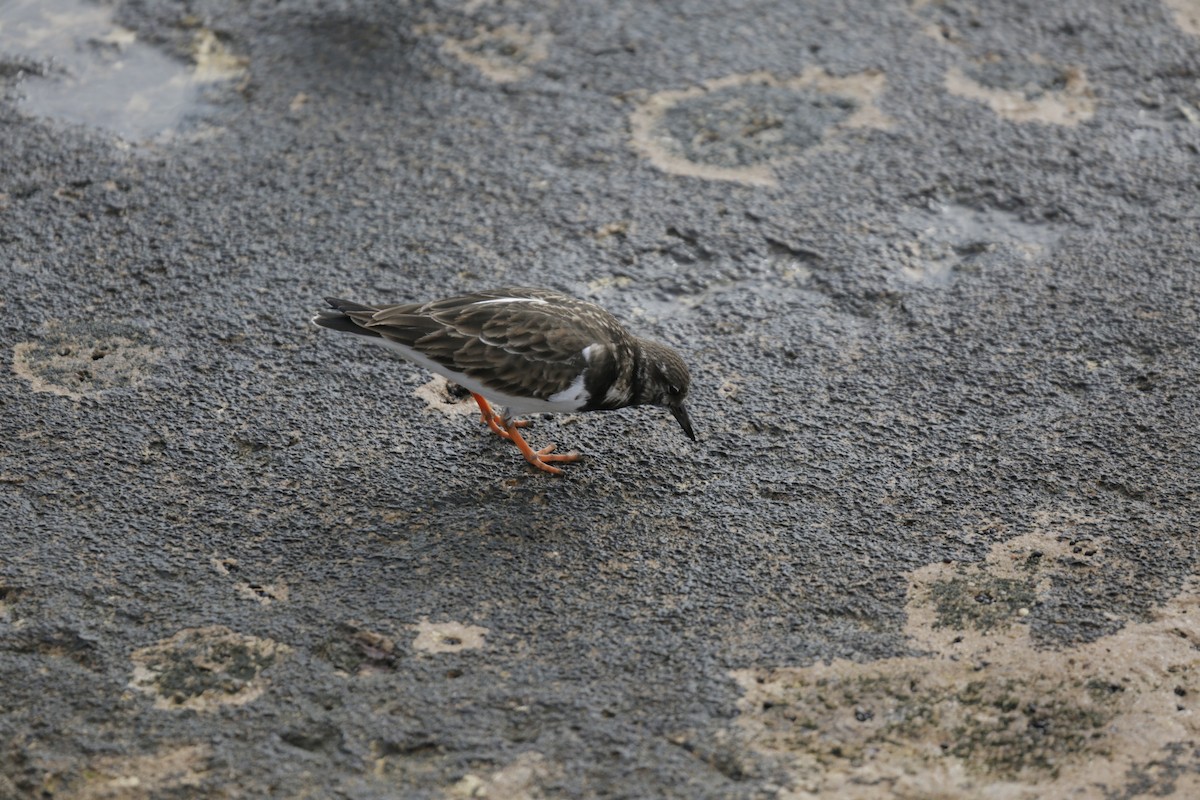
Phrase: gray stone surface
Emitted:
{"points": [[934, 265]]}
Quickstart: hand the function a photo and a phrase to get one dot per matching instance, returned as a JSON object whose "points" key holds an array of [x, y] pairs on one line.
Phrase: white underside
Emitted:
{"points": [[573, 398]]}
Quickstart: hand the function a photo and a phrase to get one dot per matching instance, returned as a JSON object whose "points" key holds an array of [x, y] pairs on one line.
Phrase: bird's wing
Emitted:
{"points": [[522, 342]]}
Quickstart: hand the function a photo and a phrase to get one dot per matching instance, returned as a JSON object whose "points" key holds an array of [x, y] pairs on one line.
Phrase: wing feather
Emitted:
{"points": [[519, 341]]}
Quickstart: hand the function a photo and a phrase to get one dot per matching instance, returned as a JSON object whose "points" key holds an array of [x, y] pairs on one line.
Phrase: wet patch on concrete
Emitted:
{"points": [[988, 714], [168, 772], [77, 65], [739, 127], [504, 54], [447, 637], [526, 778], [1027, 89], [945, 241], [202, 669], [86, 360]]}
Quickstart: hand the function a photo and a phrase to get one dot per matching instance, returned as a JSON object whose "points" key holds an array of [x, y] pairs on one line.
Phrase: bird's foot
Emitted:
{"points": [[539, 458], [509, 429]]}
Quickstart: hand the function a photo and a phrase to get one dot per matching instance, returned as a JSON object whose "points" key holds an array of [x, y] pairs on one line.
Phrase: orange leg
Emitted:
{"points": [[508, 429], [538, 457], [493, 420]]}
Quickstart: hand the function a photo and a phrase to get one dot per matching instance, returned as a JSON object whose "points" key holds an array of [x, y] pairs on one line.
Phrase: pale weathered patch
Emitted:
{"points": [[85, 361], [167, 772], [1030, 90], [439, 395], [262, 593], [738, 128], [731, 386], [987, 714], [1187, 15], [447, 637], [602, 284], [523, 779], [204, 668], [502, 54], [214, 61]]}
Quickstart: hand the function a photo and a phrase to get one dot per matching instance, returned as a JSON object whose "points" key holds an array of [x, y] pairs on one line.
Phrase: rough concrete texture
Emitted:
{"points": [[934, 265]]}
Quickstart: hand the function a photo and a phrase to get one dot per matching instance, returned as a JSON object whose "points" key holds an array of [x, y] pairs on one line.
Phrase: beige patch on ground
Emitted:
{"points": [[1187, 15], [654, 141], [620, 228], [989, 715], [80, 363], [166, 773], [439, 395], [378, 651], [262, 593], [523, 779], [204, 668], [214, 61], [607, 282], [731, 386], [1071, 105], [447, 637], [502, 54]]}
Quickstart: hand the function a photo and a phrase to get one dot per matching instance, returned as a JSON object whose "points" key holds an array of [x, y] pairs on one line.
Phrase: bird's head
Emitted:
{"points": [[664, 382]]}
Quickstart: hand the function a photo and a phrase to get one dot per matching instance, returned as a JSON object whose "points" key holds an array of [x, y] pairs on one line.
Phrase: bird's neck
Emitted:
{"points": [[615, 376]]}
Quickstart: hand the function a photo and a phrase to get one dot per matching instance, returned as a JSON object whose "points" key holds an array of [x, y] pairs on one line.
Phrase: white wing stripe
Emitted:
{"points": [[509, 300]]}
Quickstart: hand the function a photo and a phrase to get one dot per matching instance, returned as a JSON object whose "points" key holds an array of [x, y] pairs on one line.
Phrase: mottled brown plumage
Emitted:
{"points": [[527, 349]]}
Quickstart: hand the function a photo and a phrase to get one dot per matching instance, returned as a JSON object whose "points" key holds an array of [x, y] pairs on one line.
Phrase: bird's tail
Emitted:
{"points": [[340, 316]]}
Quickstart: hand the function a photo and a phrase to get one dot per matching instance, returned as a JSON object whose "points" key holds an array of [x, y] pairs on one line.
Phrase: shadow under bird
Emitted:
{"points": [[529, 351]]}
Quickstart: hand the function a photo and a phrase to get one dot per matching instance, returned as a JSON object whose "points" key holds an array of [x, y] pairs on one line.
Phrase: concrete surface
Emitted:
{"points": [[934, 265]]}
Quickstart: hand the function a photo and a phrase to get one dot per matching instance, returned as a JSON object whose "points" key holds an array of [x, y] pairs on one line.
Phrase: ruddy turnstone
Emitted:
{"points": [[528, 350]]}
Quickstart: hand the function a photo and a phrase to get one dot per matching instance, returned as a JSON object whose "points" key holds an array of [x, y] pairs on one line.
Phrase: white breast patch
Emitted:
{"points": [[575, 395]]}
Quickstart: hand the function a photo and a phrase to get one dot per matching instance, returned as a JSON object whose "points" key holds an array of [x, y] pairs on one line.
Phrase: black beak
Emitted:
{"points": [[681, 416]]}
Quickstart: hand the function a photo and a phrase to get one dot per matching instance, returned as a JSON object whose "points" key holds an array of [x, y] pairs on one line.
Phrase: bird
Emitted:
{"points": [[528, 351]]}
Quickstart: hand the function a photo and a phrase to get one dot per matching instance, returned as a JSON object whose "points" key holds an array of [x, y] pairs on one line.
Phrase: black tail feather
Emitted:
{"points": [[349, 306], [337, 318]]}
